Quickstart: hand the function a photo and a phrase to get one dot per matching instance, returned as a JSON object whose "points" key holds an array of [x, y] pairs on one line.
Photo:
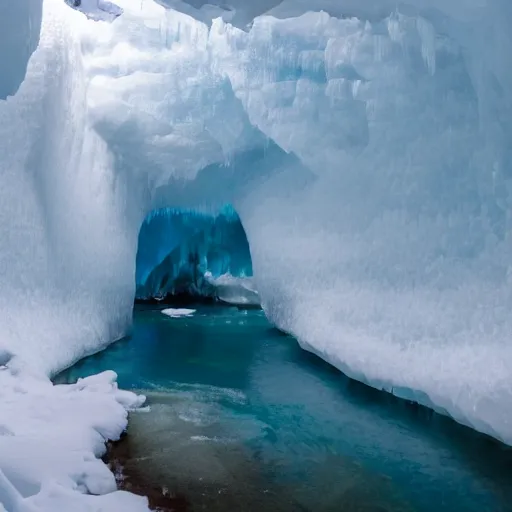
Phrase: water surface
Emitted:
{"points": [[242, 419]]}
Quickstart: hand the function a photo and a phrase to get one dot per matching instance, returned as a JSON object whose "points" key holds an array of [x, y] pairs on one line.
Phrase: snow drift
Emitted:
{"points": [[366, 149]]}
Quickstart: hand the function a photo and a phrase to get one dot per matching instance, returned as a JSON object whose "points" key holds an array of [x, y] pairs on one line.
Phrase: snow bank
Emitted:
{"points": [[51, 438]]}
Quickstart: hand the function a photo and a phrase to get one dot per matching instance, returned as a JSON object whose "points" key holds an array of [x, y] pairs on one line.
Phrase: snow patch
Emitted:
{"points": [[178, 313], [52, 438]]}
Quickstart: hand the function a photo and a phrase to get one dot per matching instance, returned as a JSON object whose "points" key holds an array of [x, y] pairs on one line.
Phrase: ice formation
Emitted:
{"points": [[366, 149], [236, 290], [177, 249]]}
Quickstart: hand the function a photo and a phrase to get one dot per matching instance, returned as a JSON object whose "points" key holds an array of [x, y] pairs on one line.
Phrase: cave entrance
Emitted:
{"points": [[186, 256]]}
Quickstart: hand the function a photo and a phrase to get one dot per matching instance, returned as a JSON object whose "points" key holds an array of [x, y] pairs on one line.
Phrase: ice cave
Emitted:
{"points": [[186, 255], [331, 180]]}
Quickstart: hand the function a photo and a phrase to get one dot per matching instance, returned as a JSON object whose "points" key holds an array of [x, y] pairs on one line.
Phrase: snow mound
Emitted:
{"points": [[51, 438]]}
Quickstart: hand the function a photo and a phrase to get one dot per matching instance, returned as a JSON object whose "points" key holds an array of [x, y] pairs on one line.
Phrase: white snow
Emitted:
{"points": [[367, 155], [178, 312], [51, 438]]}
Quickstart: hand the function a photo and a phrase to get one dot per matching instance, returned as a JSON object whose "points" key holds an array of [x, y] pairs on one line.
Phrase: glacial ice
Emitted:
{"points": [[366, 149], [18, 44], [236, 290], [177, 248]]}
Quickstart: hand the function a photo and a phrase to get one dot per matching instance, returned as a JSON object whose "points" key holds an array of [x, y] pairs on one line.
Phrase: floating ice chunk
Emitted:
{"points": [[205, 439], [177, 313]]}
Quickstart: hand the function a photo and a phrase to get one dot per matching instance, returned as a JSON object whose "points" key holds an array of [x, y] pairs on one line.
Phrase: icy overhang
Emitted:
{"points": [[242, 12]]}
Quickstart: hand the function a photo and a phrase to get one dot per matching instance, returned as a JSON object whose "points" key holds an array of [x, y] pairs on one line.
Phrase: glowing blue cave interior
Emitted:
{"points": [[178, 248]]}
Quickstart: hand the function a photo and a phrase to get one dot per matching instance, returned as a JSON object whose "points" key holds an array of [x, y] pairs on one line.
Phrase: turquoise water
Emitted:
{"points": [[242, 419]]}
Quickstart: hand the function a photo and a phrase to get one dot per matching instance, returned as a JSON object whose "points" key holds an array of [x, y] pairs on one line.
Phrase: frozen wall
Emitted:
{"points": [[61, 222], [63, 211], [20, 23], [368, 159]]}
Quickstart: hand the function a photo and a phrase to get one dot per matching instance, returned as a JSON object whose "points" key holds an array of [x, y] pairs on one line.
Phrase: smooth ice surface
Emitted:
{"points": [[366, 150]]}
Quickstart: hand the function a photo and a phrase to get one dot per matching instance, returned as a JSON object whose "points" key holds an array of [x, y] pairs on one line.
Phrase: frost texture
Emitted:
{"points": [[368, 156], [369, 164]]}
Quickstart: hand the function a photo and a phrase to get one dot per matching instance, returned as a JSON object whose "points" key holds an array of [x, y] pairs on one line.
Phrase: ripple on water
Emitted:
{"points": [[242, 419], [228, 464]]}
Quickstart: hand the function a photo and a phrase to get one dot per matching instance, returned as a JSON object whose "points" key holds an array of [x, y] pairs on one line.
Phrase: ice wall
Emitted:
{"points": [[368, 157], [63, 211], [20, 23], [61, 221]]}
